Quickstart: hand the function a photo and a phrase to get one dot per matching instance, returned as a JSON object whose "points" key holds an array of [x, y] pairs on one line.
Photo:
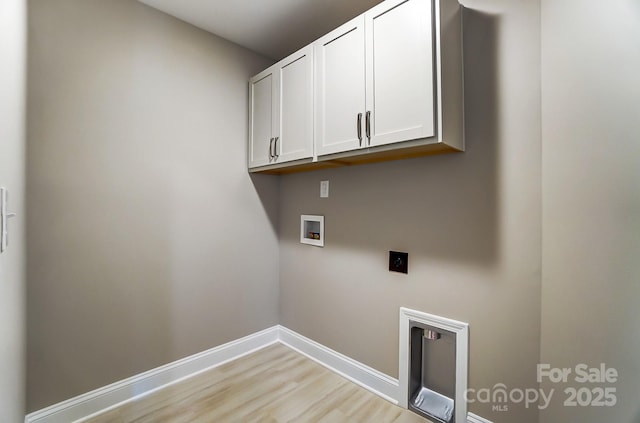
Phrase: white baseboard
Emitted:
{"points": [[361, 374], [100, 400]]}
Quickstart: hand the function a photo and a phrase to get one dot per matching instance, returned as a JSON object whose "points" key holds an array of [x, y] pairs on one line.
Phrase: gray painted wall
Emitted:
{"points": [[143, 241], [148, 241], [12, 281], [470, 222], [591, 186]]}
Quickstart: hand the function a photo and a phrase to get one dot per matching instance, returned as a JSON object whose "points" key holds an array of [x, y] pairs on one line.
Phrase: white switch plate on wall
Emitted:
{"points": [[324, 189], [4, 219]]}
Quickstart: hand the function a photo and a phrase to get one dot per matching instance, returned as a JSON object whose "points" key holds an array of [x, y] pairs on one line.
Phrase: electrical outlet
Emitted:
{"points": [[398, 262]]}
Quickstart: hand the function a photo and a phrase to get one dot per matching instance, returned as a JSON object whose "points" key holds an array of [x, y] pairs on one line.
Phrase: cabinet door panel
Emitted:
{"points": [[340, 87], [400, 83], [261, 119], [296, 107]]}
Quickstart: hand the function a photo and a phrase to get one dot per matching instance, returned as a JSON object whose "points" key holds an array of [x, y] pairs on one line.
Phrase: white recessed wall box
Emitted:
{"points": [[312, 230]]}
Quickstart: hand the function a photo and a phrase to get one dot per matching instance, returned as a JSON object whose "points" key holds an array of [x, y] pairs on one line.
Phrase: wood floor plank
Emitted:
{"points": [[273, 385]]}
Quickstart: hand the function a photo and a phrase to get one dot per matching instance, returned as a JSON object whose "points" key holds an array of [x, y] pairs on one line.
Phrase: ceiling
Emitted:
{"points": [[273, 28]]}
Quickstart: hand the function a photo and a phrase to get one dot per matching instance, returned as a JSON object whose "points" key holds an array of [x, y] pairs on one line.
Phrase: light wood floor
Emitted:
{"points": [[275, 384]]}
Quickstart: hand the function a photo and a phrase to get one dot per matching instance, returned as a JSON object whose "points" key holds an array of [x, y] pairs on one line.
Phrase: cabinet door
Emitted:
{"points": [[295, 138], [262, 117], [340, 88], [400, 79]]}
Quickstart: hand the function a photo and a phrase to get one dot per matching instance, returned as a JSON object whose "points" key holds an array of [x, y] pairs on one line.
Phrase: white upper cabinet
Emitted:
{"points": [[399, 67], [296, 107], [340, 88], [281, 111], [386, 85], [375, 79], [263, 119]]}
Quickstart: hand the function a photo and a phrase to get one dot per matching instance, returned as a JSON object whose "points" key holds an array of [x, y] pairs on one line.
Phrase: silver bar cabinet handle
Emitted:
{"points": [[369, 126], [271, 148], [359, 122], [275, 148]]}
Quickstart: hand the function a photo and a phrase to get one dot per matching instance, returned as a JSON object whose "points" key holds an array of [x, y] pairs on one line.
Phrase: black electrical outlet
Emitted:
{"points": [[398, 262]]}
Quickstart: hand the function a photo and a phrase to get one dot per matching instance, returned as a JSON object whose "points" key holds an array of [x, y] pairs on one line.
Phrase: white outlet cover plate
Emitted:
{"points": [[324, 189]]}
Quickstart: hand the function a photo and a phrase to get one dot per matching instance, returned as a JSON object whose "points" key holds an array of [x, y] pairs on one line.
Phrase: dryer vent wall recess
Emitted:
{"points": [[433, 371]]}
